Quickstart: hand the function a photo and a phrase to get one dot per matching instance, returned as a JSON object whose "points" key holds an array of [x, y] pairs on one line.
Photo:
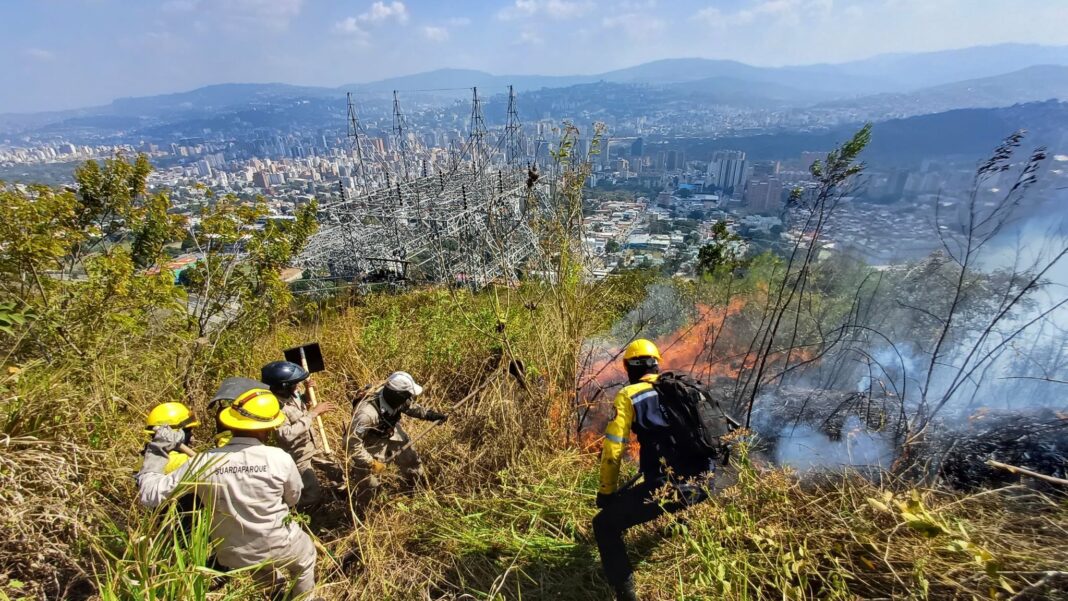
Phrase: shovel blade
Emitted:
{"points": [[313, 354]]}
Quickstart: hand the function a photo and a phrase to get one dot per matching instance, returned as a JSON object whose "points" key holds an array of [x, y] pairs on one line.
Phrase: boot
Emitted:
{"points": [[625, 591]]}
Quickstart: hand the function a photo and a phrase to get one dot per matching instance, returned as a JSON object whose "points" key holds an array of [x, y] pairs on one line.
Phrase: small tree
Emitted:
{"points": [[236, 289], [72, 258], [723, 253]]}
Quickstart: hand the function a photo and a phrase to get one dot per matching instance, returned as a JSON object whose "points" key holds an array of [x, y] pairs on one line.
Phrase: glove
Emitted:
{"points": [[378, 467], [167, 439], [435, 416], [604, 500], [164, 440]]}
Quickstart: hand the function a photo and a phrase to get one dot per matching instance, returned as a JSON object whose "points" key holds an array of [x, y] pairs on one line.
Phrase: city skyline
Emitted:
{"points": [[81, 53]]}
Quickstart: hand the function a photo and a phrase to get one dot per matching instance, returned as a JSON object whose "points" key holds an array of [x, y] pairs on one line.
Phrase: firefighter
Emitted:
{"points": [[178, 417], [249, 488], [375, 434], [298, 436], [683, 483], [229, 389]]}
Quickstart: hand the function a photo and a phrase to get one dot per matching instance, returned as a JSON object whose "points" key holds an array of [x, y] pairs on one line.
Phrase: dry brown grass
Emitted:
{"points": [[507, 512]]}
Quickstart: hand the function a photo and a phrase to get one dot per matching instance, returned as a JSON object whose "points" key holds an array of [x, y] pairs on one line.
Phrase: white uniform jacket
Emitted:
{"points": [[248, 487]]}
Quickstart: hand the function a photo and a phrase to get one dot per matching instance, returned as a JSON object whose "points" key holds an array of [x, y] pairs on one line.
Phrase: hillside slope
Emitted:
{"points": [[524, 370]]}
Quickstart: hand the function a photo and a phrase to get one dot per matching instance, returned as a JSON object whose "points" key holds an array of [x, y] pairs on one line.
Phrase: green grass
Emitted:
{"points": [[508, 512]]}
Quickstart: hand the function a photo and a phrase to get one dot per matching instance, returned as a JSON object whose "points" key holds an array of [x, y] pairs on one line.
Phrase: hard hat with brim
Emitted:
{"points": [[256, 409], [173, 414], [281, 373], [402, 381], [641, 348]]}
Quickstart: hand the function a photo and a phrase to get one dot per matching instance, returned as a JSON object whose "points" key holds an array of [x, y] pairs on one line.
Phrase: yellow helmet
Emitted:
{"points": [[255, 409], [175, 415], [641, 348]]}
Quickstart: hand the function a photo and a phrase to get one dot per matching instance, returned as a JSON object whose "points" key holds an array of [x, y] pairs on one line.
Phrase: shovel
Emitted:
{"points": [[310, 357]]}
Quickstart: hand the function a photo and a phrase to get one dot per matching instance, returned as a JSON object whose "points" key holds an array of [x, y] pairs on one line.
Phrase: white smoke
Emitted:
{"points": [[890, 370], [808, 450]]}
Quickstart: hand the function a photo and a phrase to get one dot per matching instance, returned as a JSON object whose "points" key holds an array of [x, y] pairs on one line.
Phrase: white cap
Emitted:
{"points": [[402, 381]]}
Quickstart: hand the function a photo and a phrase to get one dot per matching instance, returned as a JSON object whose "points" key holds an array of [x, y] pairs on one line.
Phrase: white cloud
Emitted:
{"points": [[553, 9], [378, 14], [39, 54], [710, 16], [435, 34], [236, 15], [788, 11], [158, 42], [636, 26], [381, 12], [272, 14], [561, 9], [530, 38], [521, 8], [179, 6], [349, 26]]}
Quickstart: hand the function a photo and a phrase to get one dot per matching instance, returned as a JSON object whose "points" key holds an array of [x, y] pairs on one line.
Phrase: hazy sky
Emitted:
{"points": [[71, 53]]}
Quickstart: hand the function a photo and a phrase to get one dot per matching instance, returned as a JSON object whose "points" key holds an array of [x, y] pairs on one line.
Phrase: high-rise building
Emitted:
{"points": [[636, 148], [764, 195], [726, 170], [259, 179], [765, 168], [676, 160], [582, 148], [896, 183]]}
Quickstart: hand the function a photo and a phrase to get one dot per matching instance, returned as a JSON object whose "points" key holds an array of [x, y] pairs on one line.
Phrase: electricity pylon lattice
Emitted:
{"points": [[468, 224]]}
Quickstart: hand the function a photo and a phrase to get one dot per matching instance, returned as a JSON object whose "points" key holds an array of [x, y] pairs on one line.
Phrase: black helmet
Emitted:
{"points": [[282, 373]]}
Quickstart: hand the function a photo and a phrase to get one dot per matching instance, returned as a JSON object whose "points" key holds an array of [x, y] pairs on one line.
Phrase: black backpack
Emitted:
{"points": [[696, 422]]}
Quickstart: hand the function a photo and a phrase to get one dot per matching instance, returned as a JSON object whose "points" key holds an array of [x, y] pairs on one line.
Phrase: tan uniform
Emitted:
{"points": [[299, 438], [374, 435], [249, 488]]}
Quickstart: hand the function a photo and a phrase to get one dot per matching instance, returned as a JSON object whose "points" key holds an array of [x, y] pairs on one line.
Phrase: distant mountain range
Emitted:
{"points": [[964, 133], [1032, 84], [908, 83]]}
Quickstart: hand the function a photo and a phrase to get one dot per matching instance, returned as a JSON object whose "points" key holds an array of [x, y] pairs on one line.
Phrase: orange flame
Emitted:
{"points": [[704, 349]]}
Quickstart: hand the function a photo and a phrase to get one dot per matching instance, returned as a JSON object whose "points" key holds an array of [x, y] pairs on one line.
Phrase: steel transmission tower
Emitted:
{"points": [[400, 140], [478, 134], [467, 224], [513, 132]]}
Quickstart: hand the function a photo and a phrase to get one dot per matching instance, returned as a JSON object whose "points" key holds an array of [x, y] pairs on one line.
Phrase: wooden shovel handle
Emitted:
{"points": [[312, 402]]}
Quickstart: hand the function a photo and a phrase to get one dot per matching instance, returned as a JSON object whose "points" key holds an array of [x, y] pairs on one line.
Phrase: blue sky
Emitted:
{"points": [[71, 53]]}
